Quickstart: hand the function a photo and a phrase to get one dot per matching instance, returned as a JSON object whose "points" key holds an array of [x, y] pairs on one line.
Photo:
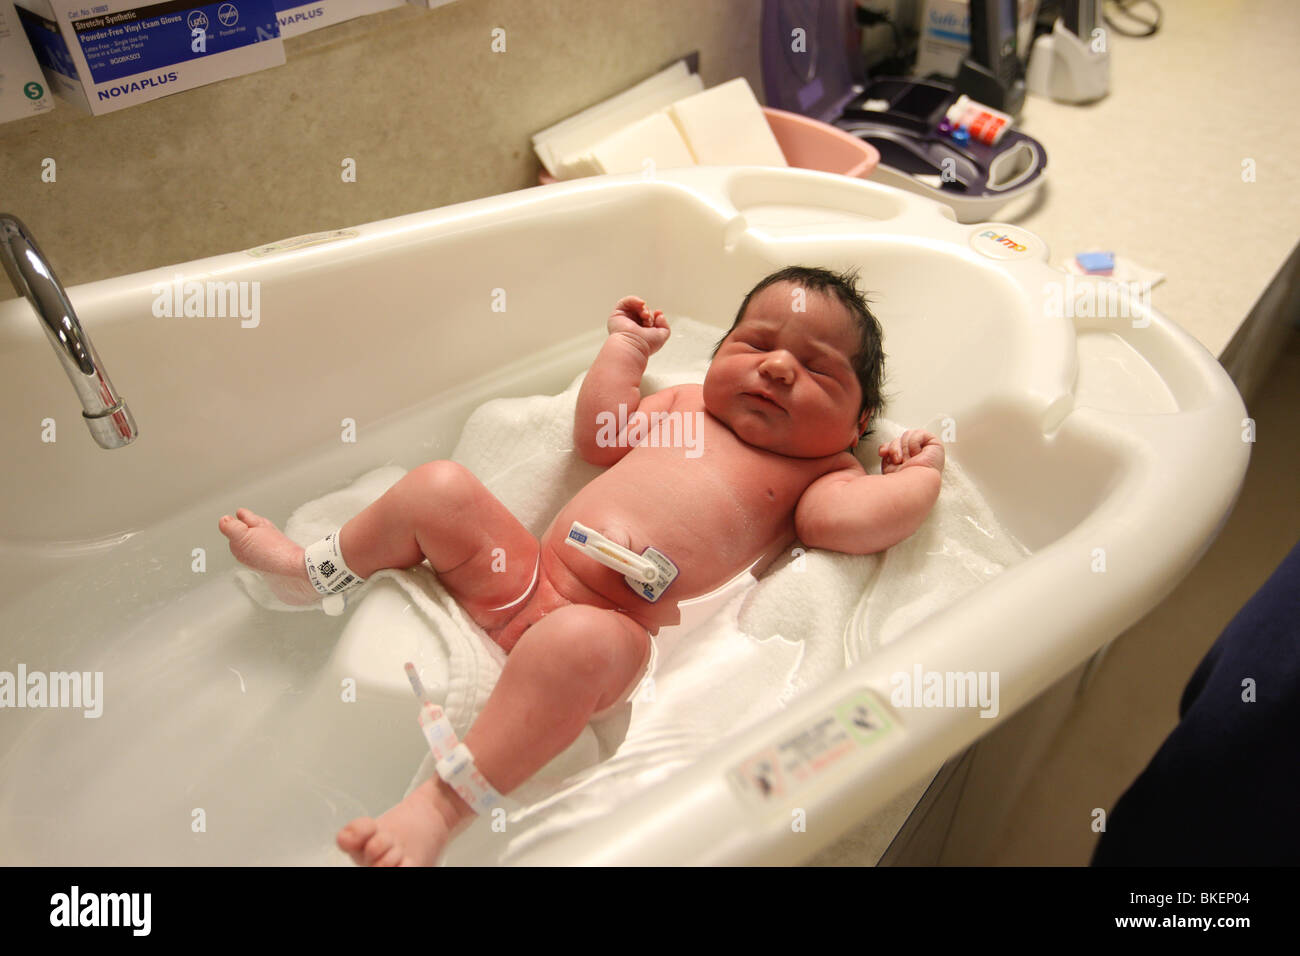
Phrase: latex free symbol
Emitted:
{"points": [[197, 20], [227, 14], [33, 90]]}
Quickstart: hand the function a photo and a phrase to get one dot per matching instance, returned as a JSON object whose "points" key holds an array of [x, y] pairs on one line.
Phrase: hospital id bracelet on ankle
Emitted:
{"points": [[438, 731], [329, 573], [459, 773], [455, 764]]}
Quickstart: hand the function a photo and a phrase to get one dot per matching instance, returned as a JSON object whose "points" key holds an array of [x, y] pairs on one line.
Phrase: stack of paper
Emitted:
{"points": [[667, 121]]}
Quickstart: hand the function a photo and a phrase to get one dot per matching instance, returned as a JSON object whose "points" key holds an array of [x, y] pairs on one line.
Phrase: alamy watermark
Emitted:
{"points": [[75, 908], [209, 299], [656, 429], [919, 688], [70, 689], [1091, 299]]}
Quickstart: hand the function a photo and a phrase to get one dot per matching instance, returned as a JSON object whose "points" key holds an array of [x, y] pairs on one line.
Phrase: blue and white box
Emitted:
{"points": [[302, 16], [23, 90], [110, 54], [49, 49]]}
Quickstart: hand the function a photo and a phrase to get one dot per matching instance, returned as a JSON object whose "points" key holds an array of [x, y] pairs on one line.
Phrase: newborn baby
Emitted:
{"points": [[791, 389]]}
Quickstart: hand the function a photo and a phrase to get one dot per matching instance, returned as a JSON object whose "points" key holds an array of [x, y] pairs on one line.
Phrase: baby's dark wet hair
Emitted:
{"points": [[868, 362]]}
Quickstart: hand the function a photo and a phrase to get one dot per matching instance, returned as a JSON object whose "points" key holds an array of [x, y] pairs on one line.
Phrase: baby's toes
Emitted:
{"points": [[394, 857], [253, 519], [353, 838], [232, 528], [381, 846]]}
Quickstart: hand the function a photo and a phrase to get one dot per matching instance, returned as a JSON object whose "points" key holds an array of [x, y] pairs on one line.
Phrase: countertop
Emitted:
{"points": [[1154, 171]]}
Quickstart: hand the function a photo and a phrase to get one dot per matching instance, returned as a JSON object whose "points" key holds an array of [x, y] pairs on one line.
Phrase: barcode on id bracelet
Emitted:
{"points": [[342, 583]]}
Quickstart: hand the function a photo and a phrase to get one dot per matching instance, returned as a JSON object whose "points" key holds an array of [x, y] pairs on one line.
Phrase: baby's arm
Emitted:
{"points": [[856, 513], [614, 379]]}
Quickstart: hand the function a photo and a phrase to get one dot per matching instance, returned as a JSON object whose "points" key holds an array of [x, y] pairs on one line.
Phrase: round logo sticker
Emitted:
{"points": [[1000, 240]]}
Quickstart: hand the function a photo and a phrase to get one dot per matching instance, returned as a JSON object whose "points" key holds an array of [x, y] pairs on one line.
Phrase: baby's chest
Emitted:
{"points": [[751, 476]]}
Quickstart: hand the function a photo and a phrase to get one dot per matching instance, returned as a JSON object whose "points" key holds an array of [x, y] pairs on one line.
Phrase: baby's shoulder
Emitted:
{"points": [[842, 464], [689, 395], [834, 469], [848, 461]]}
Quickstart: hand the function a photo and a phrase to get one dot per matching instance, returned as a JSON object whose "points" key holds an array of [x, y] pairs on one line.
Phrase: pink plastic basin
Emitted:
{"points": [[809, 144]]}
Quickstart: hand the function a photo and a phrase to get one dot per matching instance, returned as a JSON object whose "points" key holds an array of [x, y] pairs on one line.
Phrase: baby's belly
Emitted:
{"points": [[709, 547]]}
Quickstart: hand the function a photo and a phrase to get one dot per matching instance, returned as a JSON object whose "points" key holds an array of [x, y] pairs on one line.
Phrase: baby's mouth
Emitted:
{"points": [[762, 399]]}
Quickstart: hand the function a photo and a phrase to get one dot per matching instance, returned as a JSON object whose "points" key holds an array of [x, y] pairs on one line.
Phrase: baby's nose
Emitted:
{"points": [[778, 365]]}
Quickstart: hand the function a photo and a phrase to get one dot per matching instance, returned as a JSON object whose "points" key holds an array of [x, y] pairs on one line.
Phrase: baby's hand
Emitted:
{"points": [[631, 317], [912, 448]]}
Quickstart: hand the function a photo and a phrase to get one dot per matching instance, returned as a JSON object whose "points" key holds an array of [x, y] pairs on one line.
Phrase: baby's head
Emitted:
{"points": [[799, 372]]}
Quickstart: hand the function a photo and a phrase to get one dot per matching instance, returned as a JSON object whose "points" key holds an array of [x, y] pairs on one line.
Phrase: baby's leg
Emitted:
{"points": [[439, 511], [575, 662]]}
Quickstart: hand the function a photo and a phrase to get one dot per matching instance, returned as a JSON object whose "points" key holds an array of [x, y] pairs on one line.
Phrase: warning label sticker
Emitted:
{"points": [[770, 777]]}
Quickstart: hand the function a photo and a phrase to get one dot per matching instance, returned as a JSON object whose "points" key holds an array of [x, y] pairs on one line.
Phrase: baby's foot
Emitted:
{"points": [[413, 833], [260, 545]]}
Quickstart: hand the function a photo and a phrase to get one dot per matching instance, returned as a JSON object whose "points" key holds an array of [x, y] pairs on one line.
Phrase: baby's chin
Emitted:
{"points": [[769, 439], [749, 431]]}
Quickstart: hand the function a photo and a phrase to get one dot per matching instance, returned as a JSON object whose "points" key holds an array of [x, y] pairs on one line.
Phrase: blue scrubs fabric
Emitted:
{"points": [[1224, 788]]}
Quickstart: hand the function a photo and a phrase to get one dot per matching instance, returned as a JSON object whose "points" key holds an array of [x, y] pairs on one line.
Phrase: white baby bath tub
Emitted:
{"points": [[1111, 447]]}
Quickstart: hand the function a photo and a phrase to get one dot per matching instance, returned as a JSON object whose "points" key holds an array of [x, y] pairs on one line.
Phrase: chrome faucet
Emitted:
{"points": [[109, 420]]}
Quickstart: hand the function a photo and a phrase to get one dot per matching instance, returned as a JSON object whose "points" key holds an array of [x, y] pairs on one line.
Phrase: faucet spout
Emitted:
{"points": [[109, 420]]}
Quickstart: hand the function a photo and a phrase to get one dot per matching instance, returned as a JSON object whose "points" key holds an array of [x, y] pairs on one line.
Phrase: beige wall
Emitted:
{"points": [[416, 97]]}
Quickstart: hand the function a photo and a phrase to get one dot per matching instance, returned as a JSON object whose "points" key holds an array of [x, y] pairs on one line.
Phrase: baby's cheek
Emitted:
{"points": [[714, 394]]}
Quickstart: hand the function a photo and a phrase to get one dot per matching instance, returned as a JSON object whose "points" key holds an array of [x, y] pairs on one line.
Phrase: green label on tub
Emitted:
{"points": [[301, 242], [773, 776]]}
